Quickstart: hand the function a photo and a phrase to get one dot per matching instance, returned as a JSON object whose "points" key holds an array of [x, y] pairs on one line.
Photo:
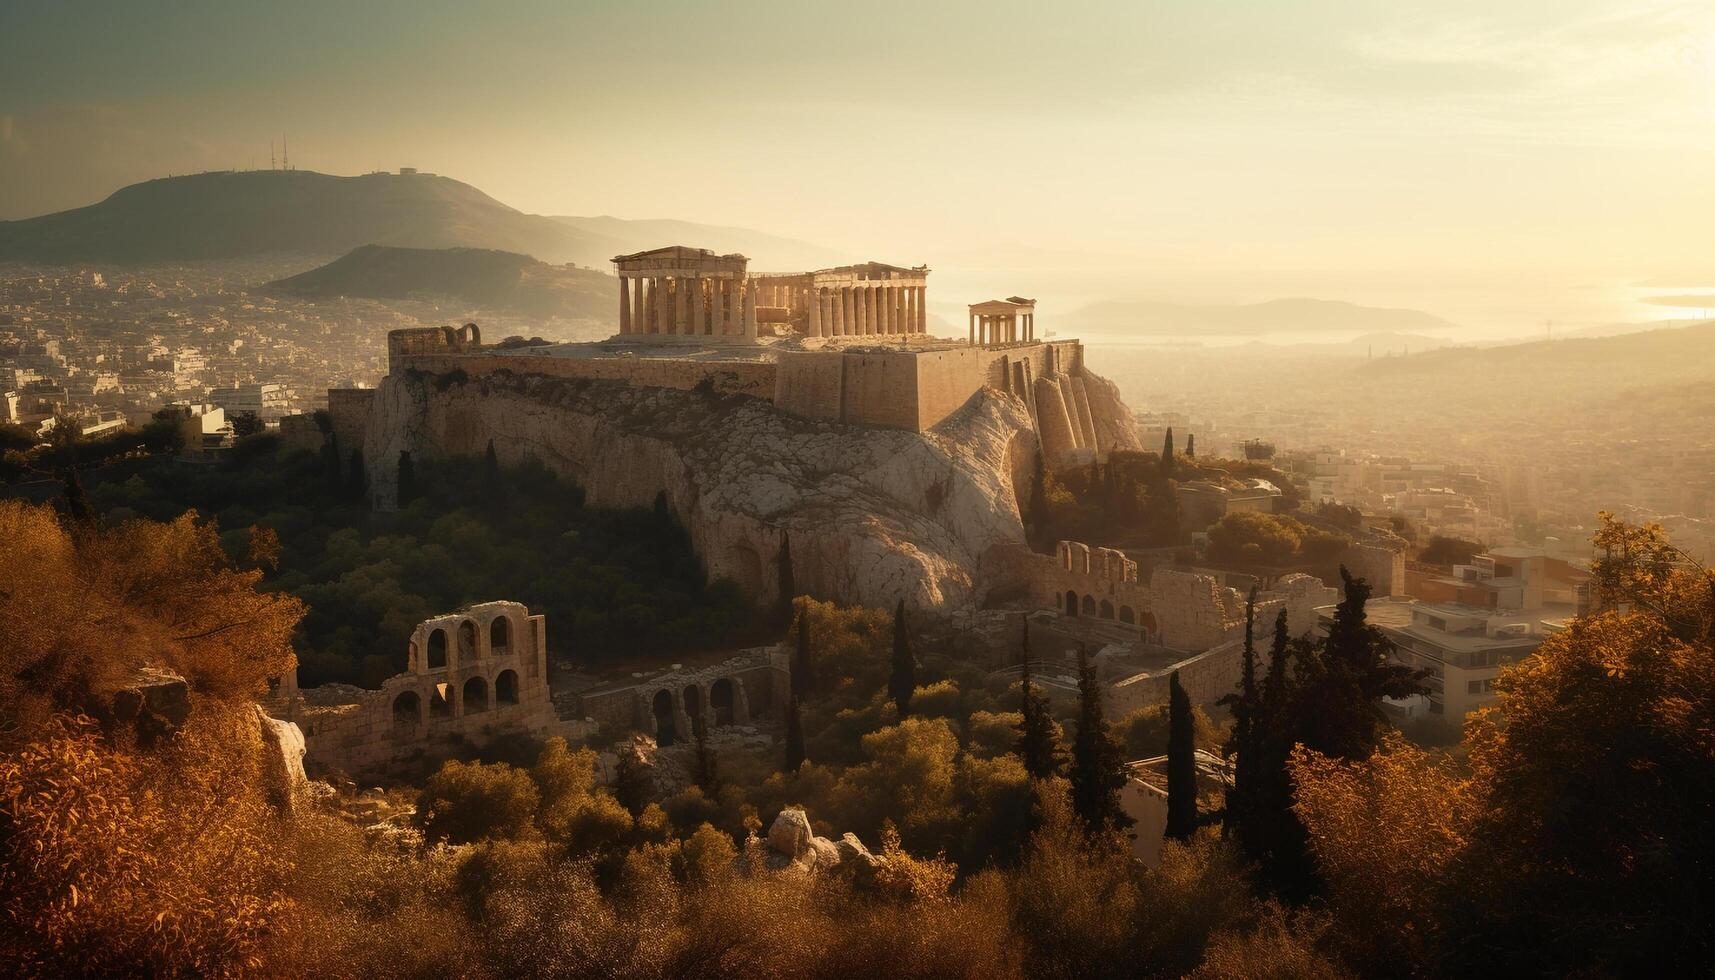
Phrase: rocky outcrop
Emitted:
{"points": [[282, 762], [791, 842], [874, 515], [148, 706]]}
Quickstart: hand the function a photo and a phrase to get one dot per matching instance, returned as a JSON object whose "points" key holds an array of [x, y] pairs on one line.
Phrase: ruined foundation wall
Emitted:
{"points": [[754, 378]]}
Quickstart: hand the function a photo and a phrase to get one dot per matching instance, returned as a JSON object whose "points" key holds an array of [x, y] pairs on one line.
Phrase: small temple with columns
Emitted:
{"points": [[1003, 321]]}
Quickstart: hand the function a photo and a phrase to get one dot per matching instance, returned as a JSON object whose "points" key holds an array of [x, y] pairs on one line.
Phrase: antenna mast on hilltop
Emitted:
{"points": [[271, 164], [285, 154]]}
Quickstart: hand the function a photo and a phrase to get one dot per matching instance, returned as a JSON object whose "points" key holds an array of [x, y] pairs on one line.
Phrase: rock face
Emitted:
{"points": [[282, 761], [874, 515], [150, 706], [791, 842]]}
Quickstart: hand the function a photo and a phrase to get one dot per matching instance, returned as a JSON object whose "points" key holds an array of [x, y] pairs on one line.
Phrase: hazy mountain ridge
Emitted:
{"points": [[1294, 315], [1666, 356], [488, 278]]}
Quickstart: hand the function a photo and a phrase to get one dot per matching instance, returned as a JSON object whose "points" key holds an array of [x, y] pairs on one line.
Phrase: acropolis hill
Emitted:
{"points": [[811, 405]]}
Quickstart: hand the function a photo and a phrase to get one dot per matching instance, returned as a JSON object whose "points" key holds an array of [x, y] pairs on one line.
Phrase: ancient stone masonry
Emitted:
{"points": [[679, 293], [469, 677], [1003, 321], [1178, 610], [671, 705]]}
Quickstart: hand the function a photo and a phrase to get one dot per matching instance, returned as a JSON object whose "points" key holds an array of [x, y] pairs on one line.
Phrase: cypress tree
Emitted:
{"points": [[787, 586], [1037, 511], [1191, 446], [632, 782], [1274, 682], [1037, 748], [1244, 706], [330, 463], [356, 478], [903, 680], [1098, 763], [794, 737], [1167, 450], [1181, 764], [77, 502], [703, 771], [803, 666], [407, 478]]}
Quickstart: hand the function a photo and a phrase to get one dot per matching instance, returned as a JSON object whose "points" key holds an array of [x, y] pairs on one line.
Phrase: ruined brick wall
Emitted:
{"points": [[754, 378], [740, 690], [349, 410]]}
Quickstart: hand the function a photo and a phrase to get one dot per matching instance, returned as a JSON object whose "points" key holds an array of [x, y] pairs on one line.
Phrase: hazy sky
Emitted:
{"points": [[1414, 151]]}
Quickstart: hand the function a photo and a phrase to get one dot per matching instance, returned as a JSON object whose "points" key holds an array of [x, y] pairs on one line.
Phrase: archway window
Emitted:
{"points": [[506, 687], [1147, 621], [1071, 603], [407, 710], [1127, 616], [1107, 609], [475, 695], [1088, 608], [440, 703], [467, 641], [437, 649], [663, 708], [500, 636], [721, 700]]}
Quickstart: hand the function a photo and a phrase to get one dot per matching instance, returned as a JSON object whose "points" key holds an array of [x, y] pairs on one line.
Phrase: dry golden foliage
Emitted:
{"points": [[80, 609], [1384, 831], [114, 862]]}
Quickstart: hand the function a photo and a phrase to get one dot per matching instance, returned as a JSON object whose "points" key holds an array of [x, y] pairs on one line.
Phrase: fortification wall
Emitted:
{"points": [[349, 410], [754, 378]]}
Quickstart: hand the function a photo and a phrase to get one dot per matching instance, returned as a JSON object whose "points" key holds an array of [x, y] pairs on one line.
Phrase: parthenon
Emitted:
{"points": [[1003, 321], [692, 292]]}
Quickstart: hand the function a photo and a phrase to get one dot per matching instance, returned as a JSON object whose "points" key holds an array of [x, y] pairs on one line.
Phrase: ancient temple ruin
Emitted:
{"points": [[678, 293]]}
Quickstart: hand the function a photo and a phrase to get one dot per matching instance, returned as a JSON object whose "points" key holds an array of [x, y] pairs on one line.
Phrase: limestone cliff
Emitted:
{"points": [[874, 515]]}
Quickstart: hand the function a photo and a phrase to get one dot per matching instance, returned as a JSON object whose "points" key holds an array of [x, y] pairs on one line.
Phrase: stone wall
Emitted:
{"points": [[1178, 610], [736, 377], [667, 705]]}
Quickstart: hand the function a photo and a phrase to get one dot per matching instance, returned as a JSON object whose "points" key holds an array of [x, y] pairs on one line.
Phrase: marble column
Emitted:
{"points": [[923, 309], [901, 318], [848, 311], [971, 338], [682, 305], [650, 305], [815, 321], [641, 322], [696, 305], [750, 309], [861, 305], [624, 305]]}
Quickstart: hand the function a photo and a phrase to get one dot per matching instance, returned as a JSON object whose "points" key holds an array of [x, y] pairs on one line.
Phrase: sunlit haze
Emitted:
{"points": [[1499, 164]]}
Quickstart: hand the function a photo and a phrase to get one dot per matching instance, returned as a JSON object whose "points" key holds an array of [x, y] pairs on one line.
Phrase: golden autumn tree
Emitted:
{"points": [[116, 858], [1582, 839]]}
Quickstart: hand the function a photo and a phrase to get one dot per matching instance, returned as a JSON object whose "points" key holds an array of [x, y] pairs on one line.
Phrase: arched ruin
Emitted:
{"points": [[1127, 616], [1088, 607], [467, 642], [407, 710], [1107, 609], [662, 706], [1071, 603], [500, 637], [474, 697], [506, 687], [721, 701], [437, 649], [440, 705]]}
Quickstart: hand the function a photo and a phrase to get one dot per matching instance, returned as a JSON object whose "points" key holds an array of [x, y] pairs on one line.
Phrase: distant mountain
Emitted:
{"points": [[1281, 316], [483, 278], [1680, 355], [243, 213], [236, 214]]}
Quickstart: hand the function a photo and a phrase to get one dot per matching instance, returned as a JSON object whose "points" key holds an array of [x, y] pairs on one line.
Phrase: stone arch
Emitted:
{"points": [[449, 337], [662, 707], [440, 702], [1088, 606], [475, 695], [467, 641], [721, 701], [437, 649], [1107, 609], [1071, 603], [506, 687], [1127, 616], [1147, 621], [411, 655], [471, 335], [407, 710], [500, 636]]}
